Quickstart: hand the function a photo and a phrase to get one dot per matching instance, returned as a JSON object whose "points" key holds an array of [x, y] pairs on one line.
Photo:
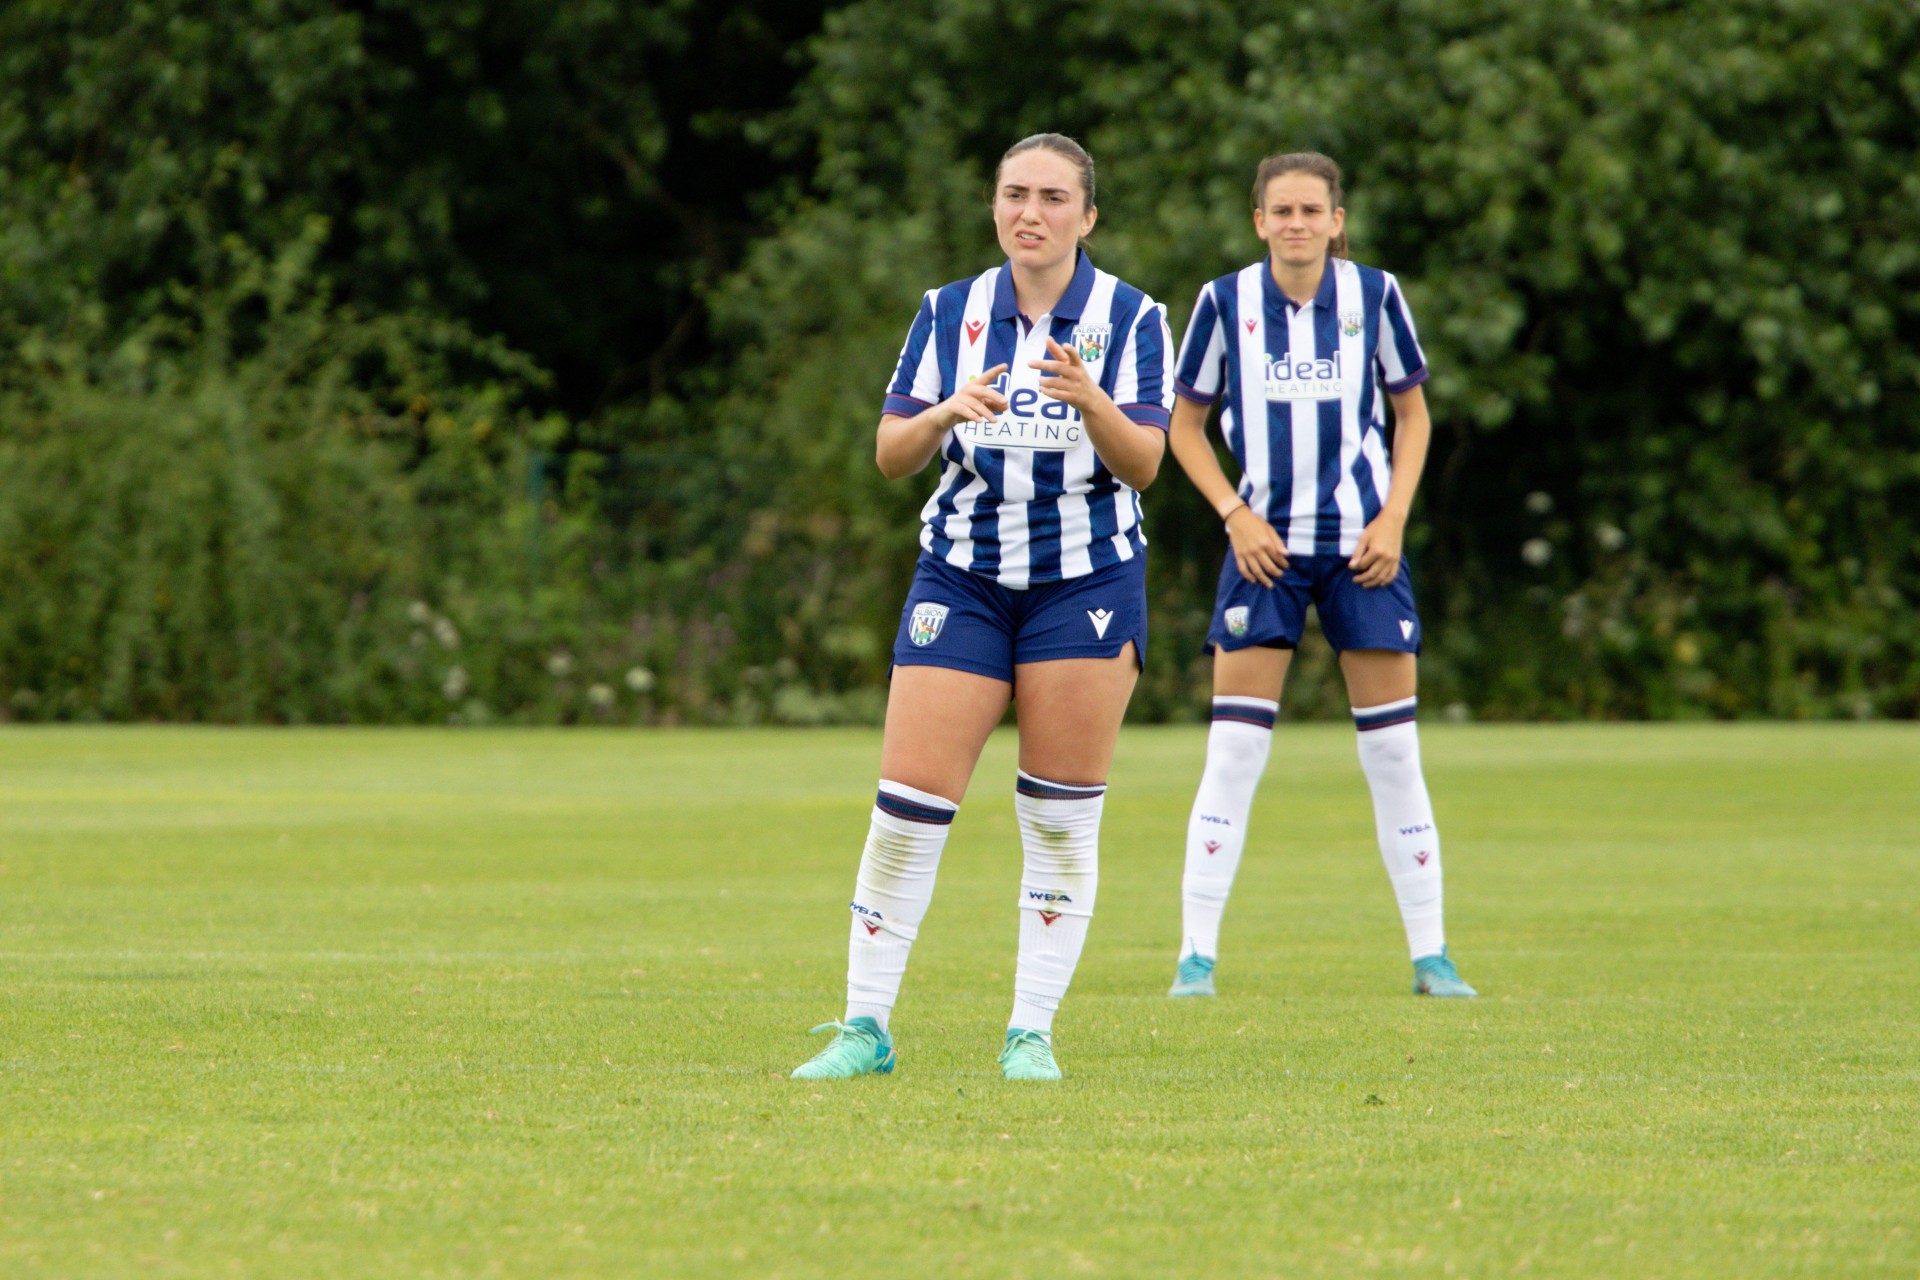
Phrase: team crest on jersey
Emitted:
{"points": [[926, 623], [1237, 621], [1091, 340], [1351, 322]]}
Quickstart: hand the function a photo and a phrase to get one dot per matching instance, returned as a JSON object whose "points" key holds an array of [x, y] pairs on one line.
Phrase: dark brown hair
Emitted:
{"points": [[1311, 162], [1061, 145]]}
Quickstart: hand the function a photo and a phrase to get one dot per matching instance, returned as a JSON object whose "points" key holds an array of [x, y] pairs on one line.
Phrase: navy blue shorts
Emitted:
{"points": [[961, 620], [1246, 614]]}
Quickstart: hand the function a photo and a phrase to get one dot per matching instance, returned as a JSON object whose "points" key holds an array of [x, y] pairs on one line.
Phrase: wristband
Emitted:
{"points": [[1228, 514]]}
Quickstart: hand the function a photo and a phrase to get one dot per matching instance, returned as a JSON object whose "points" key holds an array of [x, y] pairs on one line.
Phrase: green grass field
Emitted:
{"points": [[395, 1004]]}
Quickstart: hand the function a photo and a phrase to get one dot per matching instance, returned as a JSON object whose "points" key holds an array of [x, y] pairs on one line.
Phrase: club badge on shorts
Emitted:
{"points": [[1237, 621], [1091, 340], [925, 625]]}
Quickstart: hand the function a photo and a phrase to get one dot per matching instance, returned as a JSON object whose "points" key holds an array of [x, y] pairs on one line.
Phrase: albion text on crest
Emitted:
{"points": [[926, 623], [1091, 340]]}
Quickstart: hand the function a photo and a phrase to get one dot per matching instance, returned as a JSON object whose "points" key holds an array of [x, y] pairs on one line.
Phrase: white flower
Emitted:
{"points": [[417, 612], [639, 679], [1540, 502], [1610, 537], [445, 632], [560, 663], [1536, 551], [600, 695], [455, 685]]}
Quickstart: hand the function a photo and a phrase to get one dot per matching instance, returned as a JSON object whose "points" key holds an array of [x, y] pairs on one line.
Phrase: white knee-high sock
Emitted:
{"points": [[1403, 819], [1060, 833], [891, 894], [1237, 747]]}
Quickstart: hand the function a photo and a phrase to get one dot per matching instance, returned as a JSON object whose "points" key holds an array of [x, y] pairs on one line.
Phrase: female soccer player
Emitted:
{"points": [[1301, 346], [1044, 387]]}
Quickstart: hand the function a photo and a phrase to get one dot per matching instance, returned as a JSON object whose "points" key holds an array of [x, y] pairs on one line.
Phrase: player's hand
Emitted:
{"points": [[1376, 557], [976, 400], [1070, 380], [1257, 548]]}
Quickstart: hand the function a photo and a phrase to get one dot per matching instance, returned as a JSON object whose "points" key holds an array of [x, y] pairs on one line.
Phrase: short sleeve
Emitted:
{"points": [[1203, 352], [1403, 365], [1143, 388], [916, 378]]}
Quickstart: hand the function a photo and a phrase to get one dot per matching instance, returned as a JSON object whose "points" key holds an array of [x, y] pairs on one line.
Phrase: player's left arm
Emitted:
{"points": [[1128, 428], [1131, 450], [1376, 557]]}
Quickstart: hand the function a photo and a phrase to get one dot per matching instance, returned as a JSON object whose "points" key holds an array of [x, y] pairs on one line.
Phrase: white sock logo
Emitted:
{"points": [[1100, 619], [1406, 629]]}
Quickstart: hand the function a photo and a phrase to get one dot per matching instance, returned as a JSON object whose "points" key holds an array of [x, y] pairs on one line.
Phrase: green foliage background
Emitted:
{"points": [[502, 360]]}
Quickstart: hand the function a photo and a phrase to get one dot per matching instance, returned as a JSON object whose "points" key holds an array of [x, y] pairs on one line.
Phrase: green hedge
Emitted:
{"points": [[268, 451], [1666, 260]]}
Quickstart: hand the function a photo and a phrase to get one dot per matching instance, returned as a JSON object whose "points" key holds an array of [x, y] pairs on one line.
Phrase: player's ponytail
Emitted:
{"points": [[1312, 162]]}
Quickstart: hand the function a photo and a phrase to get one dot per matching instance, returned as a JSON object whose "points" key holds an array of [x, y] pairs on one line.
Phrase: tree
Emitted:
{"points": [[1664, 260]]}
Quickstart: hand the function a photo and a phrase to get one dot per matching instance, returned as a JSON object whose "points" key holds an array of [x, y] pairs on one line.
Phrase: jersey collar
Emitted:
{"points": [[1072, 303], [1326, 298]]}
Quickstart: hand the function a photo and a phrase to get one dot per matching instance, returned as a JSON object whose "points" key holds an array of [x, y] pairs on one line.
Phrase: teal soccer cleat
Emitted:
{"points": [[1194, 978], [1028, 1056], [1436, 976], [861, 1048]]}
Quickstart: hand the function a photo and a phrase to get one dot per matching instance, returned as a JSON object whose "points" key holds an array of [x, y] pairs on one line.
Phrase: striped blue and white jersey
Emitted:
{"points": [[1024, 499], [1305, 390]]}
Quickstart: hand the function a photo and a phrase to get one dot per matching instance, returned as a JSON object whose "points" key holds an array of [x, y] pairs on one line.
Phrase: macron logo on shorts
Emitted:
{"points": [[1100, 618], [1406, 628]]}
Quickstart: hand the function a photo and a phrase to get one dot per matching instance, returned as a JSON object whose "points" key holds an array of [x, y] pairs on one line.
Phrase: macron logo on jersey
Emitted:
{"points": [[1301, 379]]}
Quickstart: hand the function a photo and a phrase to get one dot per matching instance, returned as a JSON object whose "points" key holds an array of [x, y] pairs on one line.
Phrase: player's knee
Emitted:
{"points": [[1392, 752], [1059, 850], [1236, 758], [1061, 869], [892, 857]]}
